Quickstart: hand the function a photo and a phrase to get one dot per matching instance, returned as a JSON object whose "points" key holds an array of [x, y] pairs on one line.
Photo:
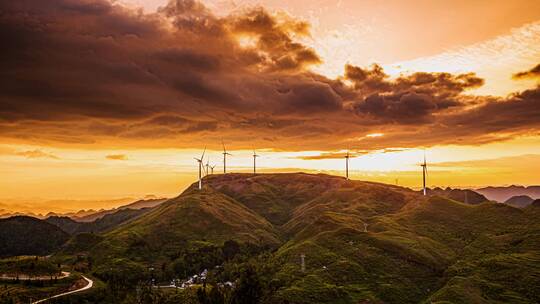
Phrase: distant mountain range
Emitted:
{"points": [[140, 204], [461, 195], [90, 214], [502, 194], [100, 224], [27, 235]]}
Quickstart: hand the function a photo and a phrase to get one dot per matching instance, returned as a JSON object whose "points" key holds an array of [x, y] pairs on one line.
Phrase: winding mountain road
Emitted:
{"points": [[88, 286]]}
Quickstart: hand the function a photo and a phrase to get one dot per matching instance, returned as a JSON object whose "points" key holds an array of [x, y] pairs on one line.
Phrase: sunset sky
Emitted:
{"points": [[108, 100]]}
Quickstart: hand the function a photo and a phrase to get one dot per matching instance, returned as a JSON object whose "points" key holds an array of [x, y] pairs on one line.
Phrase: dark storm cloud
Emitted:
{"points": [[517, 112], [408, 107], [80, 72], [408, 99]]}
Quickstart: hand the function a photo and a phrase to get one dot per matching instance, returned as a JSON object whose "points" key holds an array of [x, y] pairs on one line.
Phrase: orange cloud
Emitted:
{"points": [[532, 73], [36, 154], [117, 157]]}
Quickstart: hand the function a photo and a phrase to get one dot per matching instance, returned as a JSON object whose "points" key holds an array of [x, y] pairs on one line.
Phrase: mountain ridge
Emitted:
{"points": [[502, 194], [413, 249]]}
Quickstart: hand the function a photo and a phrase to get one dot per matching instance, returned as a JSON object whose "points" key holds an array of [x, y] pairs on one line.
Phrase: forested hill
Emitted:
{"points": [[363, 242], [24, 235]]}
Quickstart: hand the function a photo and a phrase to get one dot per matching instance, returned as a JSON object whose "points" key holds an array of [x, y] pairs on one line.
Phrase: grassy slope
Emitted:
{"points": [[416, 249], [439, 250], [206, 216], [274, 196]]}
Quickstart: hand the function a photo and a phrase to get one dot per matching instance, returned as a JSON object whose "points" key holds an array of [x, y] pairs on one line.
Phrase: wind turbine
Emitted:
{"points": [[347, 156], [225, 153], [424, 173], [212, 169], [254, 162], [200, 160], [207, 166]]}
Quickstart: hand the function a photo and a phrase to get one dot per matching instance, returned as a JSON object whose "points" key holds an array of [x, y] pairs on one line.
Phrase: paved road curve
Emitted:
{"points": [[88, 286]]}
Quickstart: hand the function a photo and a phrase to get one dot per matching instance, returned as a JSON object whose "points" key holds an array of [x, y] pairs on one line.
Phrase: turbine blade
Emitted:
{"points": [[202, 157]]}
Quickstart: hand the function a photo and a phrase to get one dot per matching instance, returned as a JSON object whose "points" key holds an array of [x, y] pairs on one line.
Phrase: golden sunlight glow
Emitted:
{"points": [[90, 174], [247, 41]]}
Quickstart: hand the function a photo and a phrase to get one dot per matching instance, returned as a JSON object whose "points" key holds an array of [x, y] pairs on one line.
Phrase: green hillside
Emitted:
{"points": [[186, 227], [363, 243], [24, 235]]}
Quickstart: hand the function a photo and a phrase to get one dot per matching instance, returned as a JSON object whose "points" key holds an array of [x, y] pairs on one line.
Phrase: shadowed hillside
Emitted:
{"points": [[520, 201], [23, 235]]}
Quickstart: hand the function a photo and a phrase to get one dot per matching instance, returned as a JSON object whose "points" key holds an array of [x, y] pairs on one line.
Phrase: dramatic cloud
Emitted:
{"points": [[91, 72], [532, 73], [408, 99]]}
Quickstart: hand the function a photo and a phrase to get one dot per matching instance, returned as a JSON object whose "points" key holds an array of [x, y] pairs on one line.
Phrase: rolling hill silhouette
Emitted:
{"points": [[519, 201], [415, 248], [24, 235]]}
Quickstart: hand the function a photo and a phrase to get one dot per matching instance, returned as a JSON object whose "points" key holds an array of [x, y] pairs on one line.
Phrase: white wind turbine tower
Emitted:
{"points": [[347, 156], [212, 169], [255, 162], [424, 173], [200, 160], [207, 166], [225, 153]]}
